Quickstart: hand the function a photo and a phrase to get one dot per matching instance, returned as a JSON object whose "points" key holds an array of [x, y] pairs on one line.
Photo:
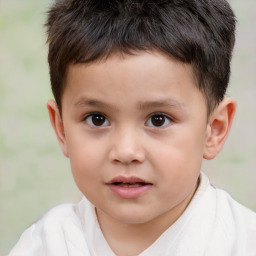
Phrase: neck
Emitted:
{"points": [[129, 239]]}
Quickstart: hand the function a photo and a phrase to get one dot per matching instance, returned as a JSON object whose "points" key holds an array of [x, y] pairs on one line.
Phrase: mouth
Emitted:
{"points": [[128, 182], [129, 187]]}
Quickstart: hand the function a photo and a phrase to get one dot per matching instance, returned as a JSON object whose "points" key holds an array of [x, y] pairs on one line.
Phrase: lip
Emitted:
{"points": [[129, 187]]}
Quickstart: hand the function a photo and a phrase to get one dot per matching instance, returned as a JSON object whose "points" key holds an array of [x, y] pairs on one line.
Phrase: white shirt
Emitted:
{"points": [[213, 224]]}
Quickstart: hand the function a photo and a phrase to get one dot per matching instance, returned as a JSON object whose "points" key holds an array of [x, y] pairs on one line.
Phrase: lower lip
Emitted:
{"points": [[129, 192]]}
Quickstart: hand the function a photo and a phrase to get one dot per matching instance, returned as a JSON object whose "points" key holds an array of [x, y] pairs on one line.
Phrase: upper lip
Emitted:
{"points": [[128, 180]]}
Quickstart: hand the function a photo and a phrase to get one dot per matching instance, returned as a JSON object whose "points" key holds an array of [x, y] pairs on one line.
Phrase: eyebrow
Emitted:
{"points": [[143, 105], [92, 103], [171, 103]]}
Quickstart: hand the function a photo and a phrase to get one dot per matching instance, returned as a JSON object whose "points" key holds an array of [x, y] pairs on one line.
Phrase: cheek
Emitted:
{"points": [[179, 151], [85, 160], [178, 162], [177, 175]]}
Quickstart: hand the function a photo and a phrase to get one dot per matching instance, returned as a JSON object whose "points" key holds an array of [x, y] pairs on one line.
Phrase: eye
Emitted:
{"points": [[97, 120], [158, 120]]}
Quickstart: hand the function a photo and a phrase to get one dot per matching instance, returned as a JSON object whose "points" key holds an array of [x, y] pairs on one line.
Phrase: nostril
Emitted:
{"points": [[127, 157], [127, 150]]}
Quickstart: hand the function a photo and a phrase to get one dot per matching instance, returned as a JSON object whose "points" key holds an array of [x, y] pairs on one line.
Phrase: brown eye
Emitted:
{"points": [[158, 120], [97, 120]]}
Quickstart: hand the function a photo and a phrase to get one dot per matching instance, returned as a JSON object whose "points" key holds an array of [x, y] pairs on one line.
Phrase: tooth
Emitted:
{"points": [[128, 185]]}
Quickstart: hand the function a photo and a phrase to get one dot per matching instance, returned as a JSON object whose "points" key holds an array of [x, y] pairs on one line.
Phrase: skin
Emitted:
{"points": [[128, 91]]}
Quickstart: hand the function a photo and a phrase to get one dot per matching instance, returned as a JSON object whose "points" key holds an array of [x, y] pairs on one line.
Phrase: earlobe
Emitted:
{"points": [[57, 125], [218, 127]]}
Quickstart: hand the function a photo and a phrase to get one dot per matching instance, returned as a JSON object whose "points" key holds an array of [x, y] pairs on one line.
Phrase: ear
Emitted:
{"points": [[57, 125], [218, 127]]}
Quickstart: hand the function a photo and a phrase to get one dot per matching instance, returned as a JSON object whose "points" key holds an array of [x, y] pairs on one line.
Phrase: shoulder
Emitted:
{"points": [[236, 219], [239, 212], [56, 219], [231, 226], [226, 206], [54, 234], [59, 213]]}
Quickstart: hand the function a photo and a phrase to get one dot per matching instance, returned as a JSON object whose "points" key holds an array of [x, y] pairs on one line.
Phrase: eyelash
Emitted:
{"points": [[164, 118], [94, 114], [103, 121]]}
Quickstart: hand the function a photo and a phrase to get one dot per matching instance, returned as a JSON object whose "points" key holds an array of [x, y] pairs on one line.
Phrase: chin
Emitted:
{"points": [[132, 218]]}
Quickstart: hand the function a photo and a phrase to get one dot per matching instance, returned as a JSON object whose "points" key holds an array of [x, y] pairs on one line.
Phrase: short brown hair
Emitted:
{"points": [[198, 32]]}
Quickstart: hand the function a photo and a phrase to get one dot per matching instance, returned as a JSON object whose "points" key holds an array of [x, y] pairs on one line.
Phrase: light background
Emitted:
{"points": [[34, 176]]}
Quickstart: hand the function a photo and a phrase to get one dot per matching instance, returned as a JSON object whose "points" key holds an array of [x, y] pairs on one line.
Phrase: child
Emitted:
{"points": [[139, 101]]}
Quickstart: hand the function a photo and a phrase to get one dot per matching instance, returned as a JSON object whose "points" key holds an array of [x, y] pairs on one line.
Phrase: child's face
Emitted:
{"points": [[135, 129]]}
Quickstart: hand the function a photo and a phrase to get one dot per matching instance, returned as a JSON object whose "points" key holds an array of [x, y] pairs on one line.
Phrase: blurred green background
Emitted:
{"points": [[34, 176]]}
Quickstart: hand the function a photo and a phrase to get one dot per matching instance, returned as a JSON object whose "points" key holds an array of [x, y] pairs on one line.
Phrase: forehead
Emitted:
{"points": [[138, 65], [144, 76]]}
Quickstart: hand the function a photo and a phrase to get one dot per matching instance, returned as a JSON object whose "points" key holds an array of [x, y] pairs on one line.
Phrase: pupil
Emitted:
{"points": [[158, 120], [98, 120]]}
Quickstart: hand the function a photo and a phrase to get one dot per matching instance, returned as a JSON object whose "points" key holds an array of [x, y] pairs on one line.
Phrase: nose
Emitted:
{"points": [[127, 148]]}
